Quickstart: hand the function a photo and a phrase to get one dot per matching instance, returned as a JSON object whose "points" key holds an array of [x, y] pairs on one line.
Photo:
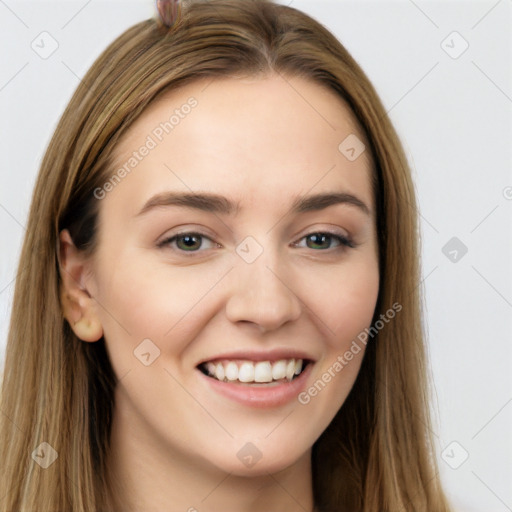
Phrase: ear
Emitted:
{"points": [[77, 303]]}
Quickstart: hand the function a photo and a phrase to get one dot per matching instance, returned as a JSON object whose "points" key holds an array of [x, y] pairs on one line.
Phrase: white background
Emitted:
{"points": [[454, 118]]}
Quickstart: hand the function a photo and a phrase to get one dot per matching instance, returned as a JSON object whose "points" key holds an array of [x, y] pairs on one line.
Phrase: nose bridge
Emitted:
{"points": [[260, 292]]}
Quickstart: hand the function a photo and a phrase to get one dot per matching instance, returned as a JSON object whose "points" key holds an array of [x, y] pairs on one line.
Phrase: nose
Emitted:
{"points": [[262, 295]]}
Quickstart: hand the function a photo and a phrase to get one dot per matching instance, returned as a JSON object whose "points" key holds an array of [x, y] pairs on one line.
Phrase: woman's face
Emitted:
{"points": [[217, 254]]}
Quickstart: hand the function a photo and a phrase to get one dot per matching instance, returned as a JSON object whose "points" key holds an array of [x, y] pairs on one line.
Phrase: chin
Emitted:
{"points": [[248, 459]]}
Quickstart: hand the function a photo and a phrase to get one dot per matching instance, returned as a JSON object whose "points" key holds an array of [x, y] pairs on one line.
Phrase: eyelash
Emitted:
{"points": [[344, 242]]}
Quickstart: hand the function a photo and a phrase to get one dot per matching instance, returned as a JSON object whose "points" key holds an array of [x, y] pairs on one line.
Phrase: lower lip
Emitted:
{"points": [[260, 396]]}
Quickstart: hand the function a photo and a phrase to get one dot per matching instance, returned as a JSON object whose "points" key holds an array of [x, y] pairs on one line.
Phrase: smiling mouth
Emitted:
{"points": [[262, 373]]}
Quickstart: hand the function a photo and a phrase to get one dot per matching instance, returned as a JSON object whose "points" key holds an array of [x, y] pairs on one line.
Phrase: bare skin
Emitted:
{"points": [[176, 440]]}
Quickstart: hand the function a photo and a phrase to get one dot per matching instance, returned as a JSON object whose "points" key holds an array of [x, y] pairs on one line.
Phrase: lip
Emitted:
{"points": [[259, 395], [269, 355]]}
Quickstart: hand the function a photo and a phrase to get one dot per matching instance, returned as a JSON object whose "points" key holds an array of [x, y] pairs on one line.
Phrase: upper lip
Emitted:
{"points": [[267, 355]]}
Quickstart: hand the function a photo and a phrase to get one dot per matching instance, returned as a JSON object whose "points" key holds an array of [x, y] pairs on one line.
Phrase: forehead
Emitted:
{"points": [[256, 138]]}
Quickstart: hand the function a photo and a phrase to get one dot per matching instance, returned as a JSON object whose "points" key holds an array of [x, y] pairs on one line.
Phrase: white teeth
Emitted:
{"points": [[290, 369], [246, 372], [279, 370], [219, 372], [231, 371], [261, 372]]}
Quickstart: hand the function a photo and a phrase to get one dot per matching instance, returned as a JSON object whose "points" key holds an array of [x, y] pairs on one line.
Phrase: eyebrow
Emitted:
{"points": [[215, 203]]}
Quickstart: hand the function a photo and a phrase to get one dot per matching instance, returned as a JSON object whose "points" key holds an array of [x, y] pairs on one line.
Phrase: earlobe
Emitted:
{"points": [[88, 329], [81, 319], [77, 304]]}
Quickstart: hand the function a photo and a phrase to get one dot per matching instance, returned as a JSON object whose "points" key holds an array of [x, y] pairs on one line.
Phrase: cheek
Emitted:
{"points": [[155, 302], [345, 303], [345, 307]]}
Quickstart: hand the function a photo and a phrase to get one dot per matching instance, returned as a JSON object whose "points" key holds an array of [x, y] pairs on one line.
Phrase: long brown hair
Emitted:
{"points": [[377, 454]]}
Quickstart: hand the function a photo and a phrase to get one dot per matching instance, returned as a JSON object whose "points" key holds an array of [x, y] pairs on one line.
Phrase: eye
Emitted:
{"points": [[187, 242], [322, 240], [192, 242]]}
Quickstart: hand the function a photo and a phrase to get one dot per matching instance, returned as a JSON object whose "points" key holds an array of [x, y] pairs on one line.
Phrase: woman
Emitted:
{"points": [[217, 302]]}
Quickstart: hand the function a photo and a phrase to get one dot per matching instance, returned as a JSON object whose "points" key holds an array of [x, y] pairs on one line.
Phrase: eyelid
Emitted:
{"points": [[345, 240], [328, 230], [187, 230], [167, 239]]}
